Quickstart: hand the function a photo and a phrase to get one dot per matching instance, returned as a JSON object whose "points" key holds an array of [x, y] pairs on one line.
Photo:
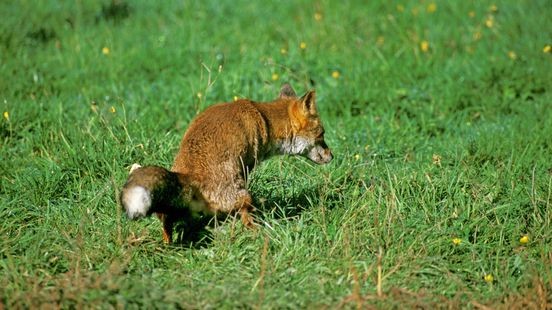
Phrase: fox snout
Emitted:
{"points": [[320, 154]]}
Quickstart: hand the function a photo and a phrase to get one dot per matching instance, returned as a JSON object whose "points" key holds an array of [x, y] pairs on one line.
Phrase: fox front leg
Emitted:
{"points": [[244, 206]]}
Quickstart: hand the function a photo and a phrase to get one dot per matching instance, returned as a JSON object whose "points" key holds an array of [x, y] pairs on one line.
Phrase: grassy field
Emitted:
{"points": [[438, 113]]}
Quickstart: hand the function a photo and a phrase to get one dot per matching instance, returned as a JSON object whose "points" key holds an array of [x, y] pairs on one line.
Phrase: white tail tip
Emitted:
{"points": [[137, 202]]}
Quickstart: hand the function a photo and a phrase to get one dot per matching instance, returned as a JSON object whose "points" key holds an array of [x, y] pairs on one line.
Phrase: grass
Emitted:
{"points": [[438, 114]]}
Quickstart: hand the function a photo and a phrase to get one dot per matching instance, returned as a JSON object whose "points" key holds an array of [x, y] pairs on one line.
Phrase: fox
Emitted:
{"points": [[218, 151]]}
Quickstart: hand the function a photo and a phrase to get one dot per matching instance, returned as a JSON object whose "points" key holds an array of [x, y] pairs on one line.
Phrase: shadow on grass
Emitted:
{"points": [[194, 234], [197, 234], [292, 205]]}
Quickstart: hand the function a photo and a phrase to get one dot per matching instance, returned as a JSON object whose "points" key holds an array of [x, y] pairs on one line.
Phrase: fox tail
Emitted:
{"points": [[148, 190]]}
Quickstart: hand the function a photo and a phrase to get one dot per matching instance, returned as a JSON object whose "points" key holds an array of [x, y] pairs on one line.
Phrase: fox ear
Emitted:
{"points": [[287, 91], [308, 102]]}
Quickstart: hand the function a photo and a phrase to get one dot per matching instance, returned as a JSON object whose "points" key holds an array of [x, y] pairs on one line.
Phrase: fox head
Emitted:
{"points": [[307, 131]]}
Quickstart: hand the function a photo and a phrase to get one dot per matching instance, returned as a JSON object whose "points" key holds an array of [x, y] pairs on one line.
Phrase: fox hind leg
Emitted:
{"points": [[168, 224], [231, 201]]}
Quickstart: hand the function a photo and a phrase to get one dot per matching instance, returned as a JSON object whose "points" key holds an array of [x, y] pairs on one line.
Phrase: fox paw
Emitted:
{"points": [[248, 220]]}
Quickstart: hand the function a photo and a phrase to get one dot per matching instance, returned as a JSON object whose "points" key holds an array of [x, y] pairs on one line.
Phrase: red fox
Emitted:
{"points": [[219, 149]]}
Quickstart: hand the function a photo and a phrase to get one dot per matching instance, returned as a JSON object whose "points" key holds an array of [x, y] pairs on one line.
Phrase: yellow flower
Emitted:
{"points": [[283, 51], [336, 74], [105, 50], [432, 7], [489, 22], [7, 115], [493, 8], [512, 55], [275, 76], [471, 14], [456, 241], [317, 16], [303, 45], [112, 109], [357, 156], [436, 159], [524, 239], [424, 46], [547, 49], [199, 95], [489, 278], [236, 98]]}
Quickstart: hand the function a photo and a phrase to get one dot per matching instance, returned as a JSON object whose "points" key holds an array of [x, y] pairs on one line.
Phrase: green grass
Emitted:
{"points": [[451, 142]]}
